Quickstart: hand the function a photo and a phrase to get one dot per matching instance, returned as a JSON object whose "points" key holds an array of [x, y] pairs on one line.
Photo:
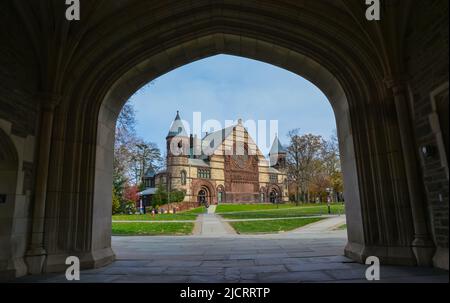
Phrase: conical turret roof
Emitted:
{"points": [[177, 127], [277, 147]]}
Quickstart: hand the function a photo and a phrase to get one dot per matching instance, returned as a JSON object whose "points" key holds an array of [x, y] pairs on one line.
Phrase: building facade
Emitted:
{"points": [[222, 167]]}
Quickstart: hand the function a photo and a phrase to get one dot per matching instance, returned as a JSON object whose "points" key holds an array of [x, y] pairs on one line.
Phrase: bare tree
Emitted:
{"points": [[144, 155], [132, 155]]}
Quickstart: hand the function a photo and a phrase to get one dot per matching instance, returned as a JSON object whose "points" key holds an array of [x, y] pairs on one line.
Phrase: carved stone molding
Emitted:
{"points": [[48, 101]]}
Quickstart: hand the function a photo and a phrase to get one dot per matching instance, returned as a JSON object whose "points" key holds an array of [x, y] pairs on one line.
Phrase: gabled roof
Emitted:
{"points": [[198, 162], [148, 191], [177, 127], [215, 139], [273, 170], [150, 172]]}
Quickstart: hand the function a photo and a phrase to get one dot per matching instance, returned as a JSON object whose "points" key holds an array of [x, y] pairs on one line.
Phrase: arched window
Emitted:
{"points": [[183, 177]]}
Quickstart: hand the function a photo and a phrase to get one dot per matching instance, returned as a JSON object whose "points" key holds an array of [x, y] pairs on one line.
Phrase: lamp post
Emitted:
{"points": [[141, 205], [329, 200], [168, 192]]}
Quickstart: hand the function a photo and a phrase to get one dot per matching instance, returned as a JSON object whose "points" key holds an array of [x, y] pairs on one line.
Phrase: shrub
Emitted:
{"points": [[115, 203], [128, 207]]}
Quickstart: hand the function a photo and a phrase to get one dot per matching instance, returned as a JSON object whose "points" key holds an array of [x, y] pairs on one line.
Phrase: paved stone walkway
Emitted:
{"points": [[325, 225], [153, 221], [272, 219], [222, 219], [212, 225], [289, 257]]}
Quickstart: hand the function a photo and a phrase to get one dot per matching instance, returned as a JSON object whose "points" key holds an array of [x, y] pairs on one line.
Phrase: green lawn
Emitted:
{"points": [[222, 208], [270, 211], [271, 226], [189, 215], [152, 229], [342, 227]]}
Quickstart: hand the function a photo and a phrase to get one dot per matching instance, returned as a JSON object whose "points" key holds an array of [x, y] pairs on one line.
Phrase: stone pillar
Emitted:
{"points": [[36, 253], [422, 245]]}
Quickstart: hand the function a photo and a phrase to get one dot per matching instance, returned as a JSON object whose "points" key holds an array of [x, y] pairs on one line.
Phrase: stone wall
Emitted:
{"points": [[16, 182], [18, 75], [427, 55]]}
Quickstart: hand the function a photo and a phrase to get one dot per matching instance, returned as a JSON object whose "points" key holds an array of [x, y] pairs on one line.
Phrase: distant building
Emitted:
{"points": [[223, 167]]}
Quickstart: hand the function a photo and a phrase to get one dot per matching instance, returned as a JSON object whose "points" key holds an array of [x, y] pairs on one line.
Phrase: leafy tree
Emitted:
{"points": [[132, 157], [160, 197], [129, 207], [314, 166], [115, 203], [143, 156], [177, 196], [302, 152], [131, 193], [330, 159]]}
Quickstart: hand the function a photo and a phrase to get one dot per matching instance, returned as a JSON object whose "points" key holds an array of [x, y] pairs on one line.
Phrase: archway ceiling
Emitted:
{"points": [[115, 34]]}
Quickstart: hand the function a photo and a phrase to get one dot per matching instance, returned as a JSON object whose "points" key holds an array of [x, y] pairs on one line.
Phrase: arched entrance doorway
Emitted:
{"points": [[203, 192], [274, 196], [203, 197]]}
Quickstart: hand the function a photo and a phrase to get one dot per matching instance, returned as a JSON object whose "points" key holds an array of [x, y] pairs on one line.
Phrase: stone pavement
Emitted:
{"points": [[212, 225], [288, 257], [330, 224], [281, 218], [153, 221]]}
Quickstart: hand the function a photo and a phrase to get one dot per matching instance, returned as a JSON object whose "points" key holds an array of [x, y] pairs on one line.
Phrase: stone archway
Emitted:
{"points": [[273, 193], [120, 48], [203, 197], [364, 237], [208, 191], [352, 119]]}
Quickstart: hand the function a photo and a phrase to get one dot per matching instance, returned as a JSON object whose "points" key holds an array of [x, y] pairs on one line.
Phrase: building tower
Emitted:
{"points": [[178, 151], [277, 155], [177, 139]]}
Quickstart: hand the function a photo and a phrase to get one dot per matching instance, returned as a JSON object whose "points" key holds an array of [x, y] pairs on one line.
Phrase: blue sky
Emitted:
{"points": [[227, 87]]}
